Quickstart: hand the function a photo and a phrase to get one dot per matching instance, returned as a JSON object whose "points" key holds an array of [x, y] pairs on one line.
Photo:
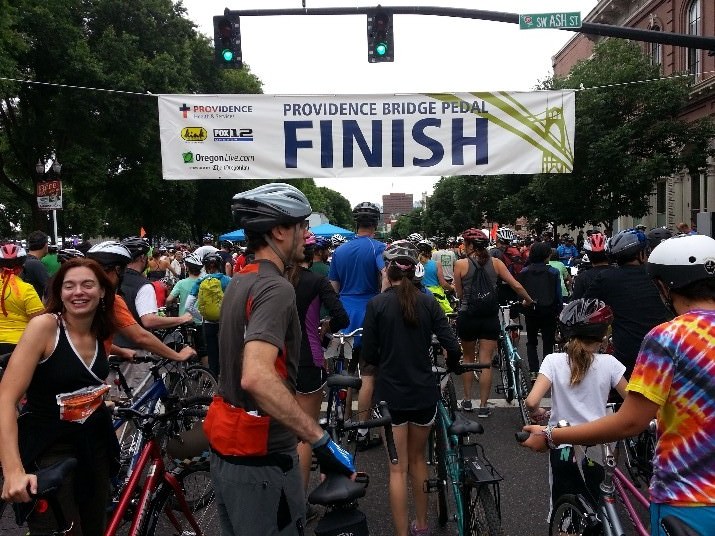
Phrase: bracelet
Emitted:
{"points": [[549, 439]]}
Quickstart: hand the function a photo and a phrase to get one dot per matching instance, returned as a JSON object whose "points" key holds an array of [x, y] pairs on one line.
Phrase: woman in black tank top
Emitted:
{"points": [[60, 355], [484, 329]]}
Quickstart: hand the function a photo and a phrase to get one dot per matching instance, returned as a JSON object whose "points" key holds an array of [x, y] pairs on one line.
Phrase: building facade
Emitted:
{"points": [[395, 205], [677, 198]]}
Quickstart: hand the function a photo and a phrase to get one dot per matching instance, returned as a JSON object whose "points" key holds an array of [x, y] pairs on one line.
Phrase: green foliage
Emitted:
{"points": [[409, 223], [627, 138]]}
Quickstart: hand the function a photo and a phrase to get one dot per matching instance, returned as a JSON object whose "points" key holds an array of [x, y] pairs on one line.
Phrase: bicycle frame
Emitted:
{"points": [[337, 398], [514, 362], [615, 484], [150, 457]]}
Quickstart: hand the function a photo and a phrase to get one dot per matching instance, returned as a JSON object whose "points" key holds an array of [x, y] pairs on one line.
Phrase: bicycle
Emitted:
{"points": [[514, 370], [162, 497], [462, 467], [578, 514], [339, 494], [338, 355]]}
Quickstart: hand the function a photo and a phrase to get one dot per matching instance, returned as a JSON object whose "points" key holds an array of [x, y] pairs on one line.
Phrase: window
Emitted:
{"points": [[693, 28], [656, 50], [660, 203]]}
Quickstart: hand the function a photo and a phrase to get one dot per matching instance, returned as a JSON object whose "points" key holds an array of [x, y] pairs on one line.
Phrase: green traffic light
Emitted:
{"points": [[227, 54], [381, 49]]}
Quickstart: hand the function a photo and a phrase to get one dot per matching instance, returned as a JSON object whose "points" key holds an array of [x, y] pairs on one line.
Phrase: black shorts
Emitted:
{"points": [[310, 379], [418, 417], [473, 328]]}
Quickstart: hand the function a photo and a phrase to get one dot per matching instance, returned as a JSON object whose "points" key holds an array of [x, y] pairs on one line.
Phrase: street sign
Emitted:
{"points": [[550, 20], [49, 195]]}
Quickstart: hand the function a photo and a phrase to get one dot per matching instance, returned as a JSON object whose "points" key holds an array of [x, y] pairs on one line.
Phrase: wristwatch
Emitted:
{"points": [[563, 423]]}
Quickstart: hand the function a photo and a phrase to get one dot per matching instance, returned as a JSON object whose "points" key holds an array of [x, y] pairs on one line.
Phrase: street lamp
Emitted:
{"points": [[56, 169]]}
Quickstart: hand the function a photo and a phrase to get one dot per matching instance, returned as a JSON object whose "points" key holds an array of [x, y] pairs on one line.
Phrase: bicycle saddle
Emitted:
{"points": [[345, 381], [50, 478], [336, 489], [463, 426], [673, 526]]}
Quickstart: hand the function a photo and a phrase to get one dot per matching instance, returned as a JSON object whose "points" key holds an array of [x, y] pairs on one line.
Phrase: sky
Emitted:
{"points": [[324, 55]]}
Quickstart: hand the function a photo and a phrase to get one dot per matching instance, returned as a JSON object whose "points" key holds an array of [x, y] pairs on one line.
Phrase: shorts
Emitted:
{"points": [[474, 328], [310, 379], [418, 417]]}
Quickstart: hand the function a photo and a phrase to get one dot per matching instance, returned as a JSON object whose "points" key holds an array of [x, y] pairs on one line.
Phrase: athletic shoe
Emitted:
{"points": [[484, 412], [466, 405], [414, 531]]}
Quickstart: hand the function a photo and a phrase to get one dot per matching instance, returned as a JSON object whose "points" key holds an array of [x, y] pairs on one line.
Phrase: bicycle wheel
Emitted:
{"points": [[570, 517], [449, 397], [165, 516], [505, 372], [196, 381], [523, 382], [482, 513], [440, 463]]}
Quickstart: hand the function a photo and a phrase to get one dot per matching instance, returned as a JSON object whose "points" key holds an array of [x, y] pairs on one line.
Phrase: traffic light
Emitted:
{"points": [[379, 36], [227, 42]]}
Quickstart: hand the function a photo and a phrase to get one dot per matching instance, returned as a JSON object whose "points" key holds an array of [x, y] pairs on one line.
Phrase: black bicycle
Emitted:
{"points": [[339, 494]]}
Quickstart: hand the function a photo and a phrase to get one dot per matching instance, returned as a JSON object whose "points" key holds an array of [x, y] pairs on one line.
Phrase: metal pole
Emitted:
{"points": [[54, 225]]}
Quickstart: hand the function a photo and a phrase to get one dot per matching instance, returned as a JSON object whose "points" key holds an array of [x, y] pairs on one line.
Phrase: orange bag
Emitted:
{"points": [[232, 431], [79, 405]]}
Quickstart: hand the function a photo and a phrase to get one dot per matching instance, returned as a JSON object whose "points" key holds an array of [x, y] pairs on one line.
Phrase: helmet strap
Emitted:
{"points": [[277, 251]]}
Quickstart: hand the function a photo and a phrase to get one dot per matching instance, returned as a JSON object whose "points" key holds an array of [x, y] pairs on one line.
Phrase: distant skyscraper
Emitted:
{"points": [[394, 205]]}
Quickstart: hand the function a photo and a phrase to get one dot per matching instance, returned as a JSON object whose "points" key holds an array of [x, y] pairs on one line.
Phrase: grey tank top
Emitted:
{"points": [[467, 279]]}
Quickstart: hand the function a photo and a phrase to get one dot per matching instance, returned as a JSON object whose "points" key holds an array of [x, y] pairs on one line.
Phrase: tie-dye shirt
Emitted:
{"points": [[676, 370]]}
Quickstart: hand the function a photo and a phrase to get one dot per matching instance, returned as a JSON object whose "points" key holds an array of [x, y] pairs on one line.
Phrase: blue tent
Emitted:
{"points": [[233, 236], [327, 230]]}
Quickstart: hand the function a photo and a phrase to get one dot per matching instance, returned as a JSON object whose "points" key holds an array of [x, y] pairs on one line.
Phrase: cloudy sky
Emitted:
{"points": [[319, 55]]}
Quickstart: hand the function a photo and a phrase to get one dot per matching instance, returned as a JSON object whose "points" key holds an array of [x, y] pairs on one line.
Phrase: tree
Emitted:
{"points": [[108, 143], [407, 224]]}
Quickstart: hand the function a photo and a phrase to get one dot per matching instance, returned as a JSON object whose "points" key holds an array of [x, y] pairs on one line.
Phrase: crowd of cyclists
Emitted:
{"points": [[634, 312]]}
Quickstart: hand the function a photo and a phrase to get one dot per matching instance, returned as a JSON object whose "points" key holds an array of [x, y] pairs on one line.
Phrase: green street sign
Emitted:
{"points": [[550, 20]]}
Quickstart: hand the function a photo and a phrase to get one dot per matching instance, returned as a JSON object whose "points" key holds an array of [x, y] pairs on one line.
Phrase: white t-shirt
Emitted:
{"points": [[146, 301], [586, 401]]}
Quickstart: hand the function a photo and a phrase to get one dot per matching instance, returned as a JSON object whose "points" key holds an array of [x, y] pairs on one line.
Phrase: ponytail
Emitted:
{"points": [[580, 359], [406, 293]]}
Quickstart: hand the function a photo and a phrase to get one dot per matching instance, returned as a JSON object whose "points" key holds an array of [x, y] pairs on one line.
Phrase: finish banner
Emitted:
{"points": [[282, 137]]}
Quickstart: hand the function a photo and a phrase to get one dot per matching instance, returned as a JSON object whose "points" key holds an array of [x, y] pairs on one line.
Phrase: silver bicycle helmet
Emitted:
{"points": [[64, 255], [136, 246], [626, 244], [110, 253], [270, 205], [402, 252]]}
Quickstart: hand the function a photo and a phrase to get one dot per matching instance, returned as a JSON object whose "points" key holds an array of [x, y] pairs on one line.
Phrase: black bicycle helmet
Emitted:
{"points": [[656, 235], [425, 247], [136, 246], [682, 260], [270, 205], [626, 244], [585, 318], [366, 213], [12, 256], [212, 259], [401, 252], [110, 253], [64, 255]]}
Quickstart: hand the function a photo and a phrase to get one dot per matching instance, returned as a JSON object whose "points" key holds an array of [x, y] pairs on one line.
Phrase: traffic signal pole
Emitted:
{"points": [[591, 28]]}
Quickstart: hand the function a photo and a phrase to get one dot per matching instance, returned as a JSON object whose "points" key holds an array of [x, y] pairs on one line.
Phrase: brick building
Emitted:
{"points": [[681, 197], [395, 205]]}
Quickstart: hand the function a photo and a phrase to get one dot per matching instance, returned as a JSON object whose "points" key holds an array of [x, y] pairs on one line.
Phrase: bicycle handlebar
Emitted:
{"points": [[340, 334], [386, 422], [522, 436], [173, 406]]}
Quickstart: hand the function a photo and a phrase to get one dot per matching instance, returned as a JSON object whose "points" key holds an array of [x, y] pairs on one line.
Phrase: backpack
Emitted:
{"points": [[540, 283], [483, 299], [210, 298], [513, 260]]}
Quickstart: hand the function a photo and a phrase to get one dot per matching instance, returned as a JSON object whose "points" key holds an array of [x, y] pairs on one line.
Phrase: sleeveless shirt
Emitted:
{"points": [[467, 279]]}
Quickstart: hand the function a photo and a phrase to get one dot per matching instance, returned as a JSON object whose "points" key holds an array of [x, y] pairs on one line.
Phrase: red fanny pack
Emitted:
{"points": [[232, 431]]}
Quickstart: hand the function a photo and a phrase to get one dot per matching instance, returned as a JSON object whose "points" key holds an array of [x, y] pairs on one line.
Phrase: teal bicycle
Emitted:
{"points": [[514, 369], [467, 485]]}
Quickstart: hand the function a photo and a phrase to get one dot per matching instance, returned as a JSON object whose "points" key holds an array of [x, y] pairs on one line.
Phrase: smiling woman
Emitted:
{"points": [[60, 365]]}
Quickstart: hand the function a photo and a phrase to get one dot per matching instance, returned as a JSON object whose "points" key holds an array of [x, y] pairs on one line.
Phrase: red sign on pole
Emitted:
{"points": [[49, 195]]}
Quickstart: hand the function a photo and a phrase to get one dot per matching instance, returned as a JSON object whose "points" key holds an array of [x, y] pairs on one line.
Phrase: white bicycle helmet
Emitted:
{"points": [[415, 238], [682, 260], [110, 253], [504, 234], [337, 239], [270, 205], [193, 260]]}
